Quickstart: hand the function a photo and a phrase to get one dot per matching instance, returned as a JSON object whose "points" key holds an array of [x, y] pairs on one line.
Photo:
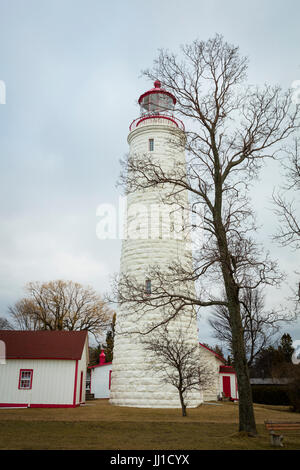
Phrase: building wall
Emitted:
{"points": [[233, 384], [82, 368], [52, 382], [210, 364], [100, 381]]}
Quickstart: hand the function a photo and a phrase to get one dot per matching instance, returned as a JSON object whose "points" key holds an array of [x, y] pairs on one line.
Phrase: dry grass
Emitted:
{"points": [[98, 425]]}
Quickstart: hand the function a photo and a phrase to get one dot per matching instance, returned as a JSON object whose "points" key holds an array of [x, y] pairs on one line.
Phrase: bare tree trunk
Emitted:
{"points": [[183, 405], [246, 412]]}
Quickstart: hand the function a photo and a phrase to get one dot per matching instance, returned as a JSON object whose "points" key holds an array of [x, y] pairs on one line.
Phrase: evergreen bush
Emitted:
{"points": [[270, 394]]}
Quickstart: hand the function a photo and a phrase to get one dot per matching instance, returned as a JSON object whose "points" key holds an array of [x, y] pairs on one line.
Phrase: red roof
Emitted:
{"points": [[43, 344]]}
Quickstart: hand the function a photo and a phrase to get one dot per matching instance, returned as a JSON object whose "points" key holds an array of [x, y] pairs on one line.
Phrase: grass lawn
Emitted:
{"points": [[101, 426]]}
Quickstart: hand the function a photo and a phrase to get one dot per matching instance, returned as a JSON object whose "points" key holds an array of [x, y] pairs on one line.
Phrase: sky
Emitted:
{"points": [[72, 76]]}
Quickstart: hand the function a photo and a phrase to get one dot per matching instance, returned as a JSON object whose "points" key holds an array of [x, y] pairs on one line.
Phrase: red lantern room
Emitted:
{"points": [[157, 103]]}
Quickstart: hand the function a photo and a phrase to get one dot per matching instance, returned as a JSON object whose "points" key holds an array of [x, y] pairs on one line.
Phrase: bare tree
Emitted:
{"points": [[25, 315], [259, 326], [287, 209], [4, 324], [231, 129], [179, 364], [61, 305], [288, 233]]}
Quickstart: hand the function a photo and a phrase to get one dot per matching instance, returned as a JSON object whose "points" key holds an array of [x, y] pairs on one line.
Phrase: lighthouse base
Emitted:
{"points": [[141, 389], [152, 403]]}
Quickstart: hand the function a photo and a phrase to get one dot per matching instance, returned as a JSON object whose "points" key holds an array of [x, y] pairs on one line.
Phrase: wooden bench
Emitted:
{"points": [[272, 426]]}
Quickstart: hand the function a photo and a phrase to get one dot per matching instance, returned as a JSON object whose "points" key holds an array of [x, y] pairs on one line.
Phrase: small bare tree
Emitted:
{"points": [[259, 326], [230, 130], [180, 364], [61, 305]]}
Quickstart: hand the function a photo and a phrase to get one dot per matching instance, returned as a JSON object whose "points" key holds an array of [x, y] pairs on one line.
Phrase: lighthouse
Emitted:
{"points": [[153, 237]]}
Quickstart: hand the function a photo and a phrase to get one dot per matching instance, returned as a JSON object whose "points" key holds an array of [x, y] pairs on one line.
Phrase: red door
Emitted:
{"points": [[226, 386]]}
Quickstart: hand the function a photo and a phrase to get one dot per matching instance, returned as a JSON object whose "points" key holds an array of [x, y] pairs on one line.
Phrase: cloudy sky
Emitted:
{"points": [[72, 74]]}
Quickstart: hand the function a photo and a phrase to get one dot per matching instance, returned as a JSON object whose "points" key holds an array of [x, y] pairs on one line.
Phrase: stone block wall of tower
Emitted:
{"points": [[151, 241]]}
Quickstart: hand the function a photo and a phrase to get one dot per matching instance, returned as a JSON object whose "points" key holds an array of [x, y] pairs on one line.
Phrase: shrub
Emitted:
{"points": [[271, 394], [294, 394]]}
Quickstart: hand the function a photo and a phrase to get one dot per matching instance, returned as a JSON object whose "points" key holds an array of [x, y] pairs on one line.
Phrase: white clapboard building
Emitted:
{"points": [[221, 381], [43, 368], [99, 378]]}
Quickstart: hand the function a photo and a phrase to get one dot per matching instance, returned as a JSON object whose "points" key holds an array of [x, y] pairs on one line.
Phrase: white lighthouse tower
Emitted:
{"points": [[157, 135]]}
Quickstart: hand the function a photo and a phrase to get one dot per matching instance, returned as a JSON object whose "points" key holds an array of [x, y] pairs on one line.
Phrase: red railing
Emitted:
{"points": [[173, 119]]}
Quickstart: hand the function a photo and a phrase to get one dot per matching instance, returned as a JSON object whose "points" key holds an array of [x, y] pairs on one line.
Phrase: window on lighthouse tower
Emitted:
{"points": [[148, 286], [151, 145]]}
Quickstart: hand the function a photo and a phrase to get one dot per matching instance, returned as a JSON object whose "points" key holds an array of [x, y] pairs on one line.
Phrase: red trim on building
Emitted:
{"points": [[156, 90], [227, 370], [226, 382], [20, 379], [35, 405], [99, 365], [43, 358], [75, 383], [45, 405], [176, 121]]}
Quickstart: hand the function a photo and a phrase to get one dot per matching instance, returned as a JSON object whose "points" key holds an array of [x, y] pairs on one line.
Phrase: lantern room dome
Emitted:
{"points": [[157, 107], [157, 100]]}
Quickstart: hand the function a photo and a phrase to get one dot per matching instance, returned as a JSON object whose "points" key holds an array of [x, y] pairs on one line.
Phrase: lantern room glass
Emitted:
{"points": [[156, 104]]}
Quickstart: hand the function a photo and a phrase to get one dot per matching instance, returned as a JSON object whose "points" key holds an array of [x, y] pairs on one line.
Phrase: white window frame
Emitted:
{"points": [[25, 379]]}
